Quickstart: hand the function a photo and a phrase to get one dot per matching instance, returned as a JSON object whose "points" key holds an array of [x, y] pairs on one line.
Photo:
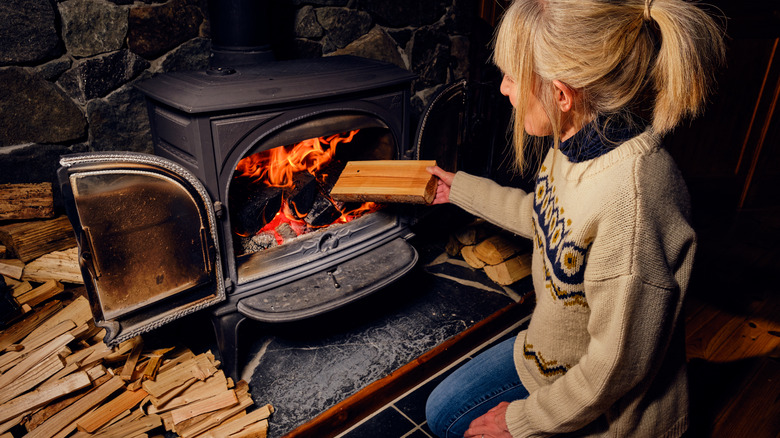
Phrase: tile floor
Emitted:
{"points": [[405, 416]]}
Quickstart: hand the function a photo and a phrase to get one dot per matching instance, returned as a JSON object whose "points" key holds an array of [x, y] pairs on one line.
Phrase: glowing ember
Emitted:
{"points": [[278, 168]]}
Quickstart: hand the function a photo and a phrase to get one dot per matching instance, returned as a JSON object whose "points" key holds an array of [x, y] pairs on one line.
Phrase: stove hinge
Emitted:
{"points": [[218, 209]]}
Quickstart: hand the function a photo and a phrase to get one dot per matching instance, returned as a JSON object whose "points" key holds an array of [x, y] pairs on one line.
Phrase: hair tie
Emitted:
{"points": [[647, 10]]}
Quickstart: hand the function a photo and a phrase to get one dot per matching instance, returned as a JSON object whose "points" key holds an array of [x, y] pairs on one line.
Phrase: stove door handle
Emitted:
{"points": [[87, 254]]}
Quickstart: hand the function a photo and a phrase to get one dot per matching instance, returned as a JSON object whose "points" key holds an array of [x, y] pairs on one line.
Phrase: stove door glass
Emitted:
{"points": [[145, 238]]}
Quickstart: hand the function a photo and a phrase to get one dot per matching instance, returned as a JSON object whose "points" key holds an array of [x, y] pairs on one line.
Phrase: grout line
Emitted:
{"points": [[455, 363]]}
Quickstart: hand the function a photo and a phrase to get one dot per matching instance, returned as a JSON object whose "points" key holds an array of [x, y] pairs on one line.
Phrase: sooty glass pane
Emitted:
{"points": [[146, 238]]}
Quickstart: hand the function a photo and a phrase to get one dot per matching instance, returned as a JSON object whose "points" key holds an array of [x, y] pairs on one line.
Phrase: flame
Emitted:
{"points": [[276, 167]]}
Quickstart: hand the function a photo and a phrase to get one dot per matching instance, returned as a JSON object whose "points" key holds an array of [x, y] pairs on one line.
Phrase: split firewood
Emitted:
{"points": [[12, 268], [3, 250], [510, 271], [193, 391], [77, 311], [200, 367], [63, 423], [386, 181], [496, 249], [20, 288], [473, 233], [30, 240], [32, 378], [132, 427], [41, 415], [96, 419], [43, 395], [24, 327], [57, 265], [132, 359], [226, 399], [210, 420], [26, 201], [453, 246], [467, 252], [246, 423], [33, 359], [40, 294]]}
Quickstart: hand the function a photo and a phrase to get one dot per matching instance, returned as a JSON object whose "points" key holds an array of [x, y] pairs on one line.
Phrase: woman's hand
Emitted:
{"points": [[443, 185], [490, 425]]}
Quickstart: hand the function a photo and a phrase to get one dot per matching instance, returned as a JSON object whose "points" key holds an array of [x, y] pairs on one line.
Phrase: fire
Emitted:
{"points": [[277, 168]]}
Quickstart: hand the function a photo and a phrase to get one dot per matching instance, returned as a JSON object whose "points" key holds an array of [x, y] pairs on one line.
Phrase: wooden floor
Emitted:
{"points": [[733, 328]]}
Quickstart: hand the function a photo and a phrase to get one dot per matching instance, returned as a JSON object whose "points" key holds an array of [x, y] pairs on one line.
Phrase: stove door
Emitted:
{"points": [[440, 134], [147, 236]]}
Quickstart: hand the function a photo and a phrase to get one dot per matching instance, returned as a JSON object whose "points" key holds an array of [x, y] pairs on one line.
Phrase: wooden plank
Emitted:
{"points": [[57, 265], [114, 407], [386, 181], [62, 423], [30, 240], [43, 395], [26, 201]]}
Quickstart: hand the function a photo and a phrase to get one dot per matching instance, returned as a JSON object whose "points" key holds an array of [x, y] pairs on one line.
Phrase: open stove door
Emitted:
{"points": [[147, 237]]}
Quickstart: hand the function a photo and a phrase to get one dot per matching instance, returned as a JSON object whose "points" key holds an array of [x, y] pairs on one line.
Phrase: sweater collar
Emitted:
{"points": [[598, 137]]}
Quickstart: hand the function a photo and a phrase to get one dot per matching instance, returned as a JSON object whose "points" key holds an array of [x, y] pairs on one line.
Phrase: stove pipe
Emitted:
{"points": [[239, 33]]}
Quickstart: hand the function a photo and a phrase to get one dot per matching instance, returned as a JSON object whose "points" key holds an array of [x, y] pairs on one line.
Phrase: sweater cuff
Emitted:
{"points": [[462, 189], [517, 421]]}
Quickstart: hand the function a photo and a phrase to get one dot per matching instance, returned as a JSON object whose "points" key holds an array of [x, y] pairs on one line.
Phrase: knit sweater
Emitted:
{"points": [[603, 354]]}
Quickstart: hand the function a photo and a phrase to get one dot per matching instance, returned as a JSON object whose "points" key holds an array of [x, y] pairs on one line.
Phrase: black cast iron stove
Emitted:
{"points": [[194, 226]]}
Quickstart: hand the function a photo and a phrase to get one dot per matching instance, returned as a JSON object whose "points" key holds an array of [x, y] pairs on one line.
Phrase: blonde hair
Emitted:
{"points": [[622, 57]]}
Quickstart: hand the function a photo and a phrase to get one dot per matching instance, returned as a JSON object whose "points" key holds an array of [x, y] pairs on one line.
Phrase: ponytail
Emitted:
{"points": [[691, 50]]}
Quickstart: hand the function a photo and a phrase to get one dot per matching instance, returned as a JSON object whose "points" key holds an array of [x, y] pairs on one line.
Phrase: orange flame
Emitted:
{"points": [[276, 167]]}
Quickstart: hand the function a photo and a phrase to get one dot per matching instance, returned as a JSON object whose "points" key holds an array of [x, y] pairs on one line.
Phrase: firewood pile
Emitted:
{"points": [[57, 376], [505, 259]]}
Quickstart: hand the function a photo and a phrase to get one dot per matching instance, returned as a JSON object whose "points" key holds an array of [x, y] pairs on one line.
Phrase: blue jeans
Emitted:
{"points": [[473, 389]]}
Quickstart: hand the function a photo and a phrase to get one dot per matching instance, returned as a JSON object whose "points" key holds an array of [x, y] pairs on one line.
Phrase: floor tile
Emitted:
{"points": [[388, 423]]}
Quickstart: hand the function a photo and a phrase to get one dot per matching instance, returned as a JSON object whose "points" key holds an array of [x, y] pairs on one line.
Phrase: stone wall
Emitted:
{"points": [[67, 68]]}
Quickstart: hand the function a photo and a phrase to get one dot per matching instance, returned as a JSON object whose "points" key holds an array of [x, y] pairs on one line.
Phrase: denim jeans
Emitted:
{"points": [[473, 389]]}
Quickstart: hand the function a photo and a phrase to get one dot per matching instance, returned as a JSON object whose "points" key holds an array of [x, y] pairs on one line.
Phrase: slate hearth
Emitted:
{"points": [[306, 367]]}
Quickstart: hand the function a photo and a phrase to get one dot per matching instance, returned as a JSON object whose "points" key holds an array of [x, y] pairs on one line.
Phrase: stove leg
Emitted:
{"points": [[226, 329]]}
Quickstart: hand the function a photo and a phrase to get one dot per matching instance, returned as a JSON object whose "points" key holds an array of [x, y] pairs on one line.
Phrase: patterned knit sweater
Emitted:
{"points": [[604, 352]]}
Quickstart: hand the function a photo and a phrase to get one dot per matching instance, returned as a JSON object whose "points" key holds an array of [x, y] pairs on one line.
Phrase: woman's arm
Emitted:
{"points": [[507, 207]]}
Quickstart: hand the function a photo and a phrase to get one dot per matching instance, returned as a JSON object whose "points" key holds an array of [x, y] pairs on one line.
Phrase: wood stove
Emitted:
{"points": [[203, 223]]}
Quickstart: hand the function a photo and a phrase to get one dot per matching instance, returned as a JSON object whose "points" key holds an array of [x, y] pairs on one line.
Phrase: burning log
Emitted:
{"points": [[322, 213], [254, 208]]}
